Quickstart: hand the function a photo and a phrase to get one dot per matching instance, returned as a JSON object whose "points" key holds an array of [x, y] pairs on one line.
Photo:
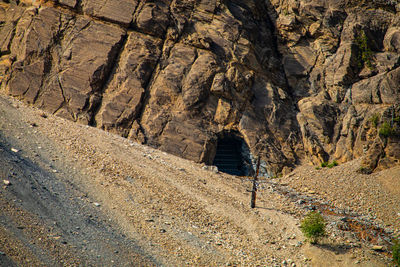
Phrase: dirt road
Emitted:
{"points": [[81, 196]]}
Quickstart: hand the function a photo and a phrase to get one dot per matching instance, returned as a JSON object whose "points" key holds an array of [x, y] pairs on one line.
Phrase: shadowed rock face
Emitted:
{"points": [[298, 80]]}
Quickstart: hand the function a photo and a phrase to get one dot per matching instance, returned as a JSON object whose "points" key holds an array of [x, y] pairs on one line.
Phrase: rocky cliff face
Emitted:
{"points": [[298, 80]]}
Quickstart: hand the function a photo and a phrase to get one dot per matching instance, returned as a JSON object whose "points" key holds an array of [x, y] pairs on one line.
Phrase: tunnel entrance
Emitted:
{"points": [[233, 156]]}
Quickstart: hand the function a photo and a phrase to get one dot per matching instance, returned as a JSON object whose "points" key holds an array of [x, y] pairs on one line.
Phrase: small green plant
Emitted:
{"points": [[329, 164], [375, 119], [386, 130], [333, 164], [365, 53], [396, 252], [313, 227]]}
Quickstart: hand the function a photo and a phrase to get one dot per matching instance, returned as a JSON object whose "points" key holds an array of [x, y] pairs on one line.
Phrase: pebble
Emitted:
{"points": [[96, 204], [14, 150], [2, 253], [6, 182], [377, 248]]}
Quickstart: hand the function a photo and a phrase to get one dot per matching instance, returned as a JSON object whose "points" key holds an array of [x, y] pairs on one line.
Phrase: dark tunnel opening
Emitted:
{"points": [[233, 156]]}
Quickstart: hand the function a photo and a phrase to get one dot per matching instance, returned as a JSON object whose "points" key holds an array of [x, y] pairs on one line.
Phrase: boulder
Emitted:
{"points": [[118, 11], [123, 96]]}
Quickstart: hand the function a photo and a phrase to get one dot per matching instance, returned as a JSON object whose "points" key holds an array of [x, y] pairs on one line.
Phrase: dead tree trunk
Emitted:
{"points": [[254, 191]]}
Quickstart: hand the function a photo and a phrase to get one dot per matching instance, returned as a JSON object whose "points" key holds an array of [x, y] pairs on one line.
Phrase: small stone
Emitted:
{"points": [[96, 204], [2, 253], [163, 230], [14, 150], [284, 262], [377, 248], [6, 182], [214, 169]]}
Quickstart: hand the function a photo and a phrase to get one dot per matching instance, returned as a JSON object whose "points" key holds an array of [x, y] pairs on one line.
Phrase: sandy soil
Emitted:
{"points": [[81, 196]]}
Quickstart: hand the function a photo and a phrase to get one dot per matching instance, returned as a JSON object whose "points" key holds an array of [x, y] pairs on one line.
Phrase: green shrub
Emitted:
{"points": [[365, 53], [324, 164], [333, 164], [386, 130], [329, 165], [375, 119], [396, 252], [313, 227]]}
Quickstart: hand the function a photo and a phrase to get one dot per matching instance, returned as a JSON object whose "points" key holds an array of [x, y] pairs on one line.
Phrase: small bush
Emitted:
{"points": [[313, 227], [375, 120], [396, 252], [333, 164], [329, 165], [365, 53], [386, 130]]}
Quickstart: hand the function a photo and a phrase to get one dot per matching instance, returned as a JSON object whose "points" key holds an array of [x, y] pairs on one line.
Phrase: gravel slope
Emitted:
{"points": [[81, 196]]}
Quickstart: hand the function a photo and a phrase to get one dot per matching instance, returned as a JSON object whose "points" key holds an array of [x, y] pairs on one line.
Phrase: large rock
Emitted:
{"points": [[64, 76], [118, 11], [124, 94], [297, 80], [380, 89]]}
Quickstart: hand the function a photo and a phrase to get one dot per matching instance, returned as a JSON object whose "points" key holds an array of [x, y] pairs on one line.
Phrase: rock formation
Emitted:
{"points": [[298, 80]]}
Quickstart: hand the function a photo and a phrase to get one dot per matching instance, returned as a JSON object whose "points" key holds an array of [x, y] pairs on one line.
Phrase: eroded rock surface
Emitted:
{"points": [[298, 80]]}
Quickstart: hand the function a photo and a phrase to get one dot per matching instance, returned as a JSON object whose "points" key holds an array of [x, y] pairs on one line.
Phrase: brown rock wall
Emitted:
{"points": [[298, 80]]}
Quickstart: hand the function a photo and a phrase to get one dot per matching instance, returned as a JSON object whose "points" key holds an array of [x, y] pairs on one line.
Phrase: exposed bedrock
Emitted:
{"points": [[299, 81]]}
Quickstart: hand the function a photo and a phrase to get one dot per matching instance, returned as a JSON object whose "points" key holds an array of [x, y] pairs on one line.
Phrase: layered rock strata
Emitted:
{"points": [[297, 80]]}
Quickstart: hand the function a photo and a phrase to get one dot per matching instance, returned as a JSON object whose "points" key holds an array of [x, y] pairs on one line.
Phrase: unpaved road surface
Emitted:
{"points": [[79, 196]]}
